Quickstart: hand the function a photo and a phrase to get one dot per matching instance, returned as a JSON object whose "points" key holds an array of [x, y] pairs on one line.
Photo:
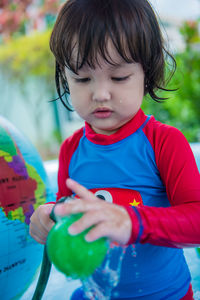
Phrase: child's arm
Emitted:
{"points": [[41, 223], [178, 225], [109, 220]]}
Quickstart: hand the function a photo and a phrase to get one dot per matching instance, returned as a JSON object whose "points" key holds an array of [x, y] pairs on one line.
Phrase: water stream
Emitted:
{"points": [[106, 277]]}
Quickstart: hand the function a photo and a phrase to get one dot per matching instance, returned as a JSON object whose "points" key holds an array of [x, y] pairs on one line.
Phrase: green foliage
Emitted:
{"points": [[182, 109], [28, 56], [190, 32]]}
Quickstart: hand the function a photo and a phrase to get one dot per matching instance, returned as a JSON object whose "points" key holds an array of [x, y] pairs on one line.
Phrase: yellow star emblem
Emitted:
{"points": [[134, 203]]}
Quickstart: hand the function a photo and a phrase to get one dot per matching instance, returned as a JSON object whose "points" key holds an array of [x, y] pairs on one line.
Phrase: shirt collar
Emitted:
{"points": [[126, 130]]}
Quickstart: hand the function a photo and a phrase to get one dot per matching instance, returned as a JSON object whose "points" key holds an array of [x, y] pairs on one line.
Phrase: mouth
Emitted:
{"points": [[102, 112]]}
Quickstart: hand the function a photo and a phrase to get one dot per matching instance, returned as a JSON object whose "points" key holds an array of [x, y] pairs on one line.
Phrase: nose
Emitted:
{"points": [[101, 92]]}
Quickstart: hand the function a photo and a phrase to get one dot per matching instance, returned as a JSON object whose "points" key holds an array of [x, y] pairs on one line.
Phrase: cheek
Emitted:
{"points": [[130, 104], [79, 104], [75, 96], [75, 91]]}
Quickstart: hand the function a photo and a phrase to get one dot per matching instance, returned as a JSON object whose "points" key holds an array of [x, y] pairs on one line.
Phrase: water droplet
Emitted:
{"points": [[134, 253], [137, 274], [115, 294]]}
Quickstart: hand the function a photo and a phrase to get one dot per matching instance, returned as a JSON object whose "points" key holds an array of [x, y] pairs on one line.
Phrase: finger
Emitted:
{"points": [[80, 190], [105, 229], [38, 237], [39, 240], [100, 230], [88, 220], [37, 229], [40, 223], [76, 206], [44, 217]]}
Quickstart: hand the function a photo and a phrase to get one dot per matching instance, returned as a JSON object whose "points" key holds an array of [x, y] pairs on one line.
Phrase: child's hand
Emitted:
{"points": [[41, 223], [109, 220]]}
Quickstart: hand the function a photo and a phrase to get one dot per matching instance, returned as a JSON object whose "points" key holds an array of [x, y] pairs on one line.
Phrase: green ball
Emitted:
{"points": [[73, 255]]}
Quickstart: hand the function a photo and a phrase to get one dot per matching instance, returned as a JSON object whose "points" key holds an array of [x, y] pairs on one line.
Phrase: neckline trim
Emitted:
{"points": [[127, 129]]}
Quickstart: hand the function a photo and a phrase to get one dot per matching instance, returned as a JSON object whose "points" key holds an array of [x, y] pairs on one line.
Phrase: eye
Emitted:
{"points": [[104, 195], [82, 80], [120, 78]]}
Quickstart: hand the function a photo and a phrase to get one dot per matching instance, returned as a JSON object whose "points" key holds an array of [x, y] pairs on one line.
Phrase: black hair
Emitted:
{"points": [[132, 27]]}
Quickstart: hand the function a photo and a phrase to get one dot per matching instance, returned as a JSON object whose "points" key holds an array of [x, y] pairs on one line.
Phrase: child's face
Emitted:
{"points": [[108, 96]]}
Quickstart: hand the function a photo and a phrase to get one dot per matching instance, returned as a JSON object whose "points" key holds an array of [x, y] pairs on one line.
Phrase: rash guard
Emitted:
{"points": [[149, 168]]}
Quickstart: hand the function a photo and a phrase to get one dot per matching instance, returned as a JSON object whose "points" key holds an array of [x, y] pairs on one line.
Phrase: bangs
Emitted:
{"points": [[84, 30], [84, 36]]}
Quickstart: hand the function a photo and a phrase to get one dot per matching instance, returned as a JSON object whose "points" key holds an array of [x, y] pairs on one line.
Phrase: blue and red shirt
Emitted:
{"points": [[149, 168]]}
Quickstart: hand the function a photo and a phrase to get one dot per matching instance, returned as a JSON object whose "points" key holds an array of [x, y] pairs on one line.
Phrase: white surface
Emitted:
{"points": [[181, 9], [58, 287]]}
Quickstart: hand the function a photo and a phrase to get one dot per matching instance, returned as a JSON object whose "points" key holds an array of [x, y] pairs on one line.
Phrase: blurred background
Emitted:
{"points": [[27, 85]]}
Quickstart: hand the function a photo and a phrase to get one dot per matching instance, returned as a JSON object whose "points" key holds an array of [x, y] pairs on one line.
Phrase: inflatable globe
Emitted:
{"points": [[23, 187]]}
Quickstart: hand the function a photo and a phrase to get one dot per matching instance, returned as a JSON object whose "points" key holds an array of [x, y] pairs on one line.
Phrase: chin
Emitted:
{"points": [[105, 131]]}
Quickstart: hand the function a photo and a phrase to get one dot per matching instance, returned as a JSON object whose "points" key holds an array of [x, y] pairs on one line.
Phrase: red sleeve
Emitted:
{"points": [[179, 224], [66, 151]]}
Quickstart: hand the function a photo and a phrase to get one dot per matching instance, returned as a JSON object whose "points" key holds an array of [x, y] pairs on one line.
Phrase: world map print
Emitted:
{"points": [[24, 186]]}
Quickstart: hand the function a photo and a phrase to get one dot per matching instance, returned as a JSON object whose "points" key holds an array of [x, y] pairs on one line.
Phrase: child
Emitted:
{"points": [[109, 54]]}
